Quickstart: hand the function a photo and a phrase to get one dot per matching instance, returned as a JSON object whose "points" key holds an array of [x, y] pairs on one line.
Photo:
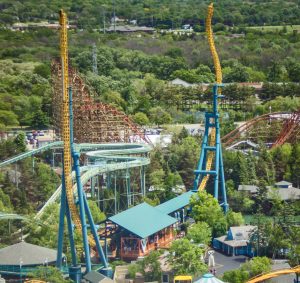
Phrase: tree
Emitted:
{"points": [[186, 258], [39, 120], [205, 208], [5, 204], [294, 71], [157, 179], [248, 270], [294, 252], [235, 276], [257, 266], [43, 70], [200, 233], [174, 52], [236, 73], [150, 267], [277, 72], [234, 218], [140, 118], [159, 116], [295, 165], [8, 118], [239, 201], [45, 234], [20, 142], [97, 214], [49, 274], [133, 269]]}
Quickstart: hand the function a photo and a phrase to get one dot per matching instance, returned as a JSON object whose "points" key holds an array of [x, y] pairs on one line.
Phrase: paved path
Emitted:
{"points": [[224, 262]]}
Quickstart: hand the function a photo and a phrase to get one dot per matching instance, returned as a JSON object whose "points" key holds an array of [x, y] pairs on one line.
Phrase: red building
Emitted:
{"points": [[140, 230]]}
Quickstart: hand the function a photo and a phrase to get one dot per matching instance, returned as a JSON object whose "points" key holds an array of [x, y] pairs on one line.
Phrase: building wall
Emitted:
{"points": [[132, 247], [226, 249]]}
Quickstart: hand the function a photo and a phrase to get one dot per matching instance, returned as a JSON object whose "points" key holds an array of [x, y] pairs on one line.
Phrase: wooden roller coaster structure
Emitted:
{"points": [[273, 129], [105, 123]]}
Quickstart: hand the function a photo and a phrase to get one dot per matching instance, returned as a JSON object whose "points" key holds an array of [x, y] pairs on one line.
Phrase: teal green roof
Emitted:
{"points": [[175, 203], [143, 220]]}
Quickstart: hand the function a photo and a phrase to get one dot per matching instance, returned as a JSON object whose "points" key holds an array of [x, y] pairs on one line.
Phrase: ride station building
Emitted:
{"points": [[140, 230]]}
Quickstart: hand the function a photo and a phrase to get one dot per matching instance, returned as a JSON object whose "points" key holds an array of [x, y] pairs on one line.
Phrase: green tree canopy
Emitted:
{"points": [[234, 218], [140, 118], [159, 116], [205, 208], [200, 233], [186, 258]]}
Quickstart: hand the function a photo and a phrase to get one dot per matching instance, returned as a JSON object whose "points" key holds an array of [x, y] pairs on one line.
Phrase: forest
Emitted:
{"points": [[161, 14], [134, 74]]}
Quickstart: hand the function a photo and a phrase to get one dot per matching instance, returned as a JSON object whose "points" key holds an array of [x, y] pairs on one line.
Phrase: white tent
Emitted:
{"points": [[209, 278]]}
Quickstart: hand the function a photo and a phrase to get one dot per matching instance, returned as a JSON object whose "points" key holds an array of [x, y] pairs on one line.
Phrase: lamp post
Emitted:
{"points": [[46, 267], [65, 261]]}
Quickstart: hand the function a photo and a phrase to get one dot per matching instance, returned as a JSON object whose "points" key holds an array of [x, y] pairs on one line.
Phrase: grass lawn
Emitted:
{"points": [[289, 28], [250, 219]]}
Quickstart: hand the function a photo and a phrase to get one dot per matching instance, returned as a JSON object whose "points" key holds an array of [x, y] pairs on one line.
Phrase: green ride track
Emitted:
{"points": [[114, 157]]}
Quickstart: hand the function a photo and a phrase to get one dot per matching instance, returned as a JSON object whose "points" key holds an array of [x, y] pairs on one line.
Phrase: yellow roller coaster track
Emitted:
{"points": [[65, 119], [276, 273], [66, 123], [218, 71]]}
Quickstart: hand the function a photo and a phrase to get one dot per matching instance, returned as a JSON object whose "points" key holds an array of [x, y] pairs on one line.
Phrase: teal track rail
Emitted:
{"points": [[115, 157], [12, 216], [103, 157], [31, 153]]}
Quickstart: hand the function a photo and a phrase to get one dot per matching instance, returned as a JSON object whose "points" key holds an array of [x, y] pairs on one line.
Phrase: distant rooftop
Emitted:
{"points": [[96, 277], [285, 193], [242, 232], [126, 28], [249, 188], [283, 183], [240, 236], [27, 253], [175, 203], [143, 220]]}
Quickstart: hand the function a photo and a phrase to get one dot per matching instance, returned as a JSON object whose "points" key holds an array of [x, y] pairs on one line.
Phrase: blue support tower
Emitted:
{"points": [[75, 269], [217, 173]]}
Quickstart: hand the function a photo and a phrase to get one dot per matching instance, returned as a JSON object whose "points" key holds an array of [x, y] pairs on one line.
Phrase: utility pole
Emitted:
{"points": [[103, 14], [95, 67], [114, 14]]}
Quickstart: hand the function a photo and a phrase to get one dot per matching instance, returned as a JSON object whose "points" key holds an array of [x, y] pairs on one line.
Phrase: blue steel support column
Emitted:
{"points": [[71, 119], [108, 180], [218, 171], [61, 225], [217, 155], [71, 235], [68, 213], [223, 187], [128, 192], [202, 154], [115, 192], [82, 213], [93, 187], [75, 156], [94, 232], [143, 181]]}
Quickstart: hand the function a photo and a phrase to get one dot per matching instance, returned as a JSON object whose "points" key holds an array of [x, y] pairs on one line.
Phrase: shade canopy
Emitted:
{"points": [[209, 278], [26, 254], [143, 220]]}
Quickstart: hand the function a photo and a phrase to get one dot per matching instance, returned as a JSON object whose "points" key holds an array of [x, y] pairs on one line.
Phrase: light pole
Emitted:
{"points": [[46, 267]]}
